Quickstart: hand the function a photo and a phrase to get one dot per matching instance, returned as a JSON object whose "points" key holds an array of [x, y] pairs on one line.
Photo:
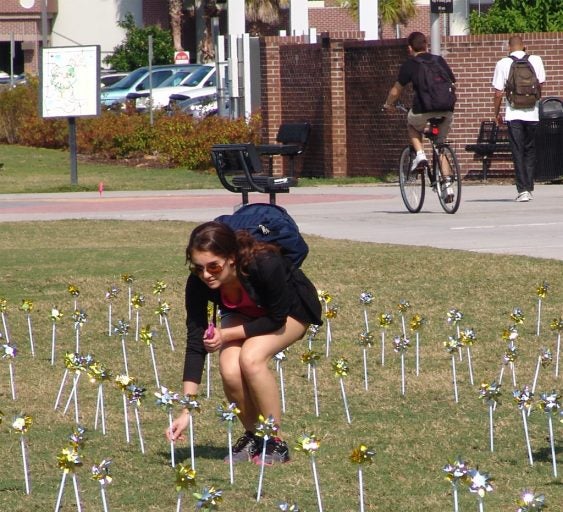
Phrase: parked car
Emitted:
{"points": [[198, 107], [108, 79], [116, 94], [201, 79]]}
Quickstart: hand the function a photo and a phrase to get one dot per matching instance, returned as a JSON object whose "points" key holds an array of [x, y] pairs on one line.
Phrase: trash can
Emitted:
{"points": [[549, 140]]}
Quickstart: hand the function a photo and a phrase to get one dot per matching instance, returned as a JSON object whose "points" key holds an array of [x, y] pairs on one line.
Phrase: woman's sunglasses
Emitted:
{"points": [[212, 268]]}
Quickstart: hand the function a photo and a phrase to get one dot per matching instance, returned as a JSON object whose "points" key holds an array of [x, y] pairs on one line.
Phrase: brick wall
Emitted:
{"points": [[339, 84]]}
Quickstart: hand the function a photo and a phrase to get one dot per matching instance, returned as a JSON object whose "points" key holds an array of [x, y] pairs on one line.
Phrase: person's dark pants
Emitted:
{"points": [[522, 136]]}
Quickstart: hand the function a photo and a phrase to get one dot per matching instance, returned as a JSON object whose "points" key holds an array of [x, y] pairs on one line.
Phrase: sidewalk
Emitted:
{"points": [[488, 221]]}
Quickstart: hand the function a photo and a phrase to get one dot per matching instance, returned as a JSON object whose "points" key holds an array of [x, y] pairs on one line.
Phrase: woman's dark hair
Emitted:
{"points": [[220, 239]]}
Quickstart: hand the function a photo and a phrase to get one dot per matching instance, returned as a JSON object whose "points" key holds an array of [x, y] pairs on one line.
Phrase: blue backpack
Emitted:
{"points": [[270, 223]]}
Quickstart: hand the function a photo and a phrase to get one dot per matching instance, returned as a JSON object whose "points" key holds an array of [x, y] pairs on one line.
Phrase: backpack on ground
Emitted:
{"points": [[270, 223], [436, 91], [522, 87]]}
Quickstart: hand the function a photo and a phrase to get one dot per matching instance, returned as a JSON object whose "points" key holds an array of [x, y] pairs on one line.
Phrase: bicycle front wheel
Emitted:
{"points": [[411, 182], [449, 193]]}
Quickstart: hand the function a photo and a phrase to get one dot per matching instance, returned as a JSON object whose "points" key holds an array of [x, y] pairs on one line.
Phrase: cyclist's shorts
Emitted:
{"points": [[418, 122]]}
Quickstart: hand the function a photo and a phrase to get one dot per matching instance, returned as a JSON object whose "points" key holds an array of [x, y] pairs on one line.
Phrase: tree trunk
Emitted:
{"points": [[175, 9]]}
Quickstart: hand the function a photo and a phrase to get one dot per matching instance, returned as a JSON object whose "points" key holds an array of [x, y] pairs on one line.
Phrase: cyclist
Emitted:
{"points": [[417, 119]]}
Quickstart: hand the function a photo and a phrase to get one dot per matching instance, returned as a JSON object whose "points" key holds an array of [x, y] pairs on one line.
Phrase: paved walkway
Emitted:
{"points": [[488, 220]]}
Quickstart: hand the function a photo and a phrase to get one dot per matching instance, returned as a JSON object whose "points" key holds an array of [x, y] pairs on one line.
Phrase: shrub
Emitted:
{"points": [[16, 105]]}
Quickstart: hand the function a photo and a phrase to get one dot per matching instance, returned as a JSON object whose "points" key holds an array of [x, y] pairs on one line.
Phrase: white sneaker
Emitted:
{"points": [[419, 161], [531, 196], [448, 191], [523, 197]]}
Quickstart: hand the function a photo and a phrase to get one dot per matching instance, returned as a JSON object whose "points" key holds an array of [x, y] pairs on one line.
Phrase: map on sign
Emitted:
{"points": [[70, 81]]}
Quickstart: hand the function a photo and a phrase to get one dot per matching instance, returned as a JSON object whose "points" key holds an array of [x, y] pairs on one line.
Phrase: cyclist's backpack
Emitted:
{"points": [[522, 87], [270, 223], [436, 90]]}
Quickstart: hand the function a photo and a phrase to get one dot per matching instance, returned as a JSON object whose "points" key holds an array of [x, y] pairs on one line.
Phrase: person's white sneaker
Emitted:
{"points": [[523, 197], [419, 161], [531, 196]]}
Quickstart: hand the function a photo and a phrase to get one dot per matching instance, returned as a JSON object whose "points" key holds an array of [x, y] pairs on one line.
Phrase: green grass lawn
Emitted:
{"points": [[413, 436], [37, 170]]}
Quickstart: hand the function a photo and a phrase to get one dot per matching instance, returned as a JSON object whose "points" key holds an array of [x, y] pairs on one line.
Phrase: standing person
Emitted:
{"points": [[418, 115], [266, 304], [522, 122]]}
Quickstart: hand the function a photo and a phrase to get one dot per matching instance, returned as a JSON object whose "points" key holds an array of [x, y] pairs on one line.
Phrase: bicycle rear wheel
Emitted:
{"points": [[411, 182], [450, 199]]}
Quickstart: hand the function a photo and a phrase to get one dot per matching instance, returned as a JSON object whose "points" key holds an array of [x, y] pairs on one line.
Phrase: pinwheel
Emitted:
{"points": [[162, 311], [79, 318], [121, 328], [541, 292], [467, 337], [524, 400], [456, 473], [101, 474], [3, 309], [185, 478], [452, 346], [400, 346], [27, 308], [111, 294], [362, 455], [229, 413], [403, 307], [366, 299], [167, 399], [56, 315], [385, 320], [557, 325], [98, 373], [310, 358], [128, 279], [21, 425], [191, 404], [490, 394], [309, 444], [9, 353], [415, 325], [147, 336], [266, 428], [279, 358], [530, 502], [68, 460], [340, 367], [550, 404], [208, 499], [137, 301], [480, 484], [365, 340]]}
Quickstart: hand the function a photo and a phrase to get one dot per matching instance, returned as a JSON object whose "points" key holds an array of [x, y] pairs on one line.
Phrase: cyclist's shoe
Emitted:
{"points": [[448, 191], [277, 452], [419, 161], [523, 197], [246, 447]]}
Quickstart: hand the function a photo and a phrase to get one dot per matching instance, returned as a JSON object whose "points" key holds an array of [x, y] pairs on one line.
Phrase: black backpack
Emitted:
{"points": [[436, 90], [522, 87], [270, 223]]}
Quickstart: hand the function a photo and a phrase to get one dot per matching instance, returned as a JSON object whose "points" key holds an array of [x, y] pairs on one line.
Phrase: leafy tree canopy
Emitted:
{"points": [[509, 16], [133, 52]]}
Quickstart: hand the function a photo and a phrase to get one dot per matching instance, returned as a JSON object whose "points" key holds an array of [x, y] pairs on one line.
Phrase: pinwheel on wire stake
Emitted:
{"points": [[541, 292], [79, 317], [72, 364], [456, 474], [162, 311], [98, 373], [366, 299], [9, 352], [365, 340], [100, 473], [400, 346], [266, 428], [403, 307], [415, 325], [158, 289], [454, 317], [309, 445], [111, 294], [185, 479], [27, 308], [325, 299], [56, 315], [524, 400], [452, 345], [517, 315], [467, 337], [288, 507], [530, 502], [191, 404], [137, 301], [68, 460], [545, 358], [82, 363], [208, 499], [134, 396], [311, 358], [167, 399], [147, 336], [385, 321], [362, 455], [128, 280], [21, 425], [490, 394], [550, 404], [312, 332], [279, 358], [340, 367], [509, 334], [123, 382], [74, 293], [557, 325], [121, 328], [330, 314], [229, 413], [480, 484], [3, 310]]}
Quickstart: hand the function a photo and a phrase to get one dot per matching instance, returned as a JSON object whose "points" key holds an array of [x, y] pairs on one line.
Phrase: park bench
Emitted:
{"points": [[291, 141], [491, 141], [239, 169]]}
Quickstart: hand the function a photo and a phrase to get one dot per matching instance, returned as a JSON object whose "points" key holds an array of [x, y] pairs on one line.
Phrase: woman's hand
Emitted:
{"points": [[213, 343], [179, 425]]}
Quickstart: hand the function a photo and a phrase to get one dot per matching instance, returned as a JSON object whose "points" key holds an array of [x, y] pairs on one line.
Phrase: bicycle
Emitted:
{"points": [[413, 183]]}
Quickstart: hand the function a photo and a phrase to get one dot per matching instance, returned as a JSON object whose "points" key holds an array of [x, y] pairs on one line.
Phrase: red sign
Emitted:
{"points": [[181, 57]]}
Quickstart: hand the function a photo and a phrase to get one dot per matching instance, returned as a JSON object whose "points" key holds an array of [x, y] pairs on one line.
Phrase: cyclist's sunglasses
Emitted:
{"points": [[212, 268]]}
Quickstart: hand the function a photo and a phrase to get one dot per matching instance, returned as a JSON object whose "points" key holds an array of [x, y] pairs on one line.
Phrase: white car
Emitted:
{"points": [[201, 78]]}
